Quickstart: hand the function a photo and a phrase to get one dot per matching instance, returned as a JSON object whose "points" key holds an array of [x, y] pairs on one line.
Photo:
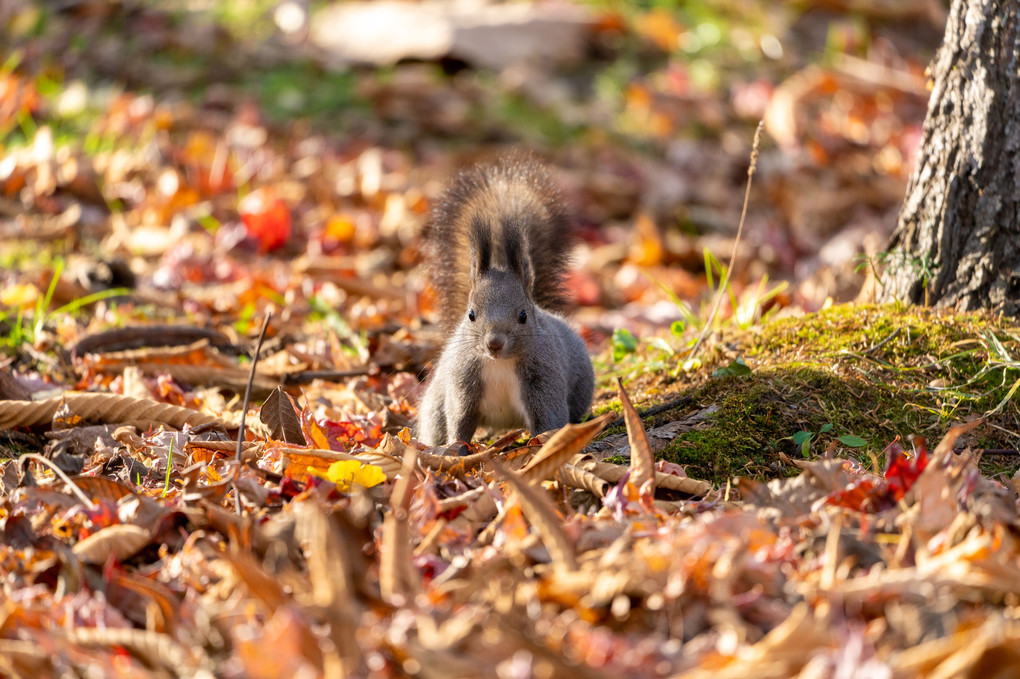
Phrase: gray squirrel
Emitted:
{"points": [[497, 246]]}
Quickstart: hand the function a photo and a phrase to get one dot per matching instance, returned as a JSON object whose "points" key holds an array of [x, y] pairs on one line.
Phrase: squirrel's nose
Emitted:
{"points": [[495, 343]]}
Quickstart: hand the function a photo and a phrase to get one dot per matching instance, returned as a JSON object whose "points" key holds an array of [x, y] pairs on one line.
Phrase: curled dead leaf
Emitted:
{"points": [[562, 446], [98, 407], [574, 477], [119, 542], [642, 461]]}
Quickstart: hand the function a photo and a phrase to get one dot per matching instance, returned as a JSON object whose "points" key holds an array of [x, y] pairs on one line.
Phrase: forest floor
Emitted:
{"points": [[793, 500]]}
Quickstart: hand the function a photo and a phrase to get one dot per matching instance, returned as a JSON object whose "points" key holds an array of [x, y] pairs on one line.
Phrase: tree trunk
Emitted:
{"points": [[958, 239]]}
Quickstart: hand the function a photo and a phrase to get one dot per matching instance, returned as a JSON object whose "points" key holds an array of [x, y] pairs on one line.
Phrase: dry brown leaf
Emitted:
{"points": [[11, 389], [197, 352], [542, 515], [102, 408], [279, 412], [133, 337], [205, 451], [562, 446], [102, 488], [397, 578], [119, 542], [575, 477], [992, 654], [613, 473], [261, 585], [329, 569], [642, 461], [23, 659], [954, 655], [481, 508], [781, 653], [945, 446], [159, 595], [461, 500], [674, 507], [157, 650], [235, 377], [456, 464]]}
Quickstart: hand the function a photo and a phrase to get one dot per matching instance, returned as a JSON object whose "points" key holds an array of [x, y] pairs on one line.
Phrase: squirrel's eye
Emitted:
{"points": [[471, 315], [523, 317]]}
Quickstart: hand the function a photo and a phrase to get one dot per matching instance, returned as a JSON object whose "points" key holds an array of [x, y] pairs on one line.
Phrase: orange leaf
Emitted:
{"points": [[661, 28], [340, 228], [319, 436]]}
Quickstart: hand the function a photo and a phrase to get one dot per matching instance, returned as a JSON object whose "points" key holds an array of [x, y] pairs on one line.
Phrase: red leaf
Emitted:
{"points": [[901, 471], [266, 218], [103, 516], [862, 495], [345, 435], [290, 489]]}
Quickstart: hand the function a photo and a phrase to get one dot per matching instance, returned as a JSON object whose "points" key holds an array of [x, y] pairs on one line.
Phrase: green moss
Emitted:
{"points": [[607, 407], [871, 372], [757, 415]]}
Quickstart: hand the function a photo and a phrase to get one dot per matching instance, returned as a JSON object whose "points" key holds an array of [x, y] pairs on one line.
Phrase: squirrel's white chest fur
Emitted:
{"points": [[502, 405]]}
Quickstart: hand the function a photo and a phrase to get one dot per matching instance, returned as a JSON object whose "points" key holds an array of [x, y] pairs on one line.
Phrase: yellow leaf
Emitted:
{"points": [[369, 475], [342, 472], [347, 473], [21, 296]]}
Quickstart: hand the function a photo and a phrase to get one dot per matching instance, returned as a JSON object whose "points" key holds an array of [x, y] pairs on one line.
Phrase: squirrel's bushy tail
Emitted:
{"points": [[513, 193]]}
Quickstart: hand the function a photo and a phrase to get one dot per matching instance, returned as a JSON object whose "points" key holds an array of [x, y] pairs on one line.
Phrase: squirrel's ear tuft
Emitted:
{"points": [[518, 259], [481, 248]]}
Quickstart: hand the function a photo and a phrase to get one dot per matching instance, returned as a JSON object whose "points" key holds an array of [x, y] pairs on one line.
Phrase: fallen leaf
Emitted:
{"points": [[266, 218], [117, 542]]}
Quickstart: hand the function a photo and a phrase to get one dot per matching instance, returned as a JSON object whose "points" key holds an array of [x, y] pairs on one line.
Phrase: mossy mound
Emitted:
{"points": [[864, 374]]}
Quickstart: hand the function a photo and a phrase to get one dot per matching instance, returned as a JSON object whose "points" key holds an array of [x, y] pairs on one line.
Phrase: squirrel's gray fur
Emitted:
{"points": [[497, 246]]}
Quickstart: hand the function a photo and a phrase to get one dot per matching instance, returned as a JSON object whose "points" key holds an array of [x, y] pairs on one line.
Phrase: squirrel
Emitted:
{"points": [[496, 249]]}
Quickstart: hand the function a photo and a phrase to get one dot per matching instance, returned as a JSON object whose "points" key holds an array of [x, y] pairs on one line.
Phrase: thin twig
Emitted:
{"points": [[247, 397], [736, 242], [655, 410], [306, 376], [876, 347], [63, 477]]}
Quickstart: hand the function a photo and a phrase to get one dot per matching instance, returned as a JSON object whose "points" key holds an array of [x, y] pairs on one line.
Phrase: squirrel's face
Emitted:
{"points": [[500, 315]]}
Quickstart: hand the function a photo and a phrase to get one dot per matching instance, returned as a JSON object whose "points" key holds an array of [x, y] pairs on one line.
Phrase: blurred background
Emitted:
{"points": [[252, 152]]}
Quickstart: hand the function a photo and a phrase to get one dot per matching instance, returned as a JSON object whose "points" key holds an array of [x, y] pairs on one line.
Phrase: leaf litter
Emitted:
{"points": [[357, 552], [375, 556]]}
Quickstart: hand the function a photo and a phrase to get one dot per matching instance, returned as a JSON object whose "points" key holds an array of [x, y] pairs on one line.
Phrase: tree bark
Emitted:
{"points": [[957, 243]]}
